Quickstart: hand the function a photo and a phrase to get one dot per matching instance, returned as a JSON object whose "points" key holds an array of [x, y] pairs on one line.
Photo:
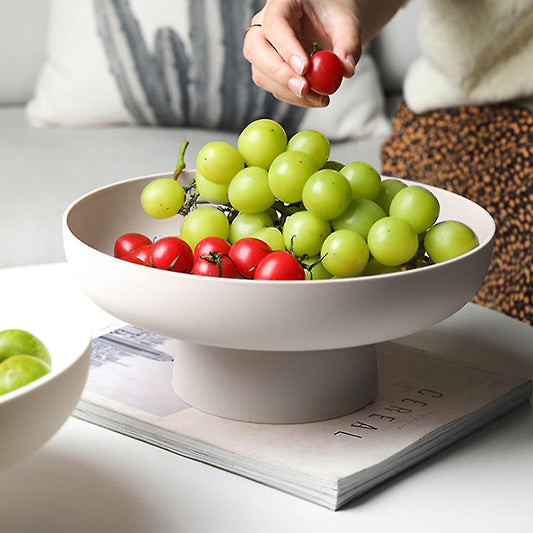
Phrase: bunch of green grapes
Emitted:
{"points": [[339, 220]]}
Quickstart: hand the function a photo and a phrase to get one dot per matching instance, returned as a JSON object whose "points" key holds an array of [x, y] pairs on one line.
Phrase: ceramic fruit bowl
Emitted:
{"points": [[267, 351], [32, 414]]}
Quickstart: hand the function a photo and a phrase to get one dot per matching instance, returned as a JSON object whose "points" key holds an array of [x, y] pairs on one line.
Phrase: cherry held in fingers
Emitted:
{"points": [[325, 72]]}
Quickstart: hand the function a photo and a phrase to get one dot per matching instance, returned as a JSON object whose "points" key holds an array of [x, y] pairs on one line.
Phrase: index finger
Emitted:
{"points": [[279, 32], [273, 74]]}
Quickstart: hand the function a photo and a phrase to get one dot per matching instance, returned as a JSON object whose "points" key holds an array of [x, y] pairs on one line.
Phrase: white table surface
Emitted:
{"points": [[88, 479]]}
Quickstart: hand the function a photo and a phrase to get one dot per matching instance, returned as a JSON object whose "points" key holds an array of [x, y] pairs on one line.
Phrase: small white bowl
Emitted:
{"points": [[32, 414], [263, 318]]}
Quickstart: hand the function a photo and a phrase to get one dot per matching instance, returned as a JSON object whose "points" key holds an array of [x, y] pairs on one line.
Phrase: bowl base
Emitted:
{"points": [[275, 387]]}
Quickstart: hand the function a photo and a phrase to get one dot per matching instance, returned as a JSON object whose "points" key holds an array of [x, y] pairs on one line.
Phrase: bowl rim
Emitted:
{"points": [[483, 244]]}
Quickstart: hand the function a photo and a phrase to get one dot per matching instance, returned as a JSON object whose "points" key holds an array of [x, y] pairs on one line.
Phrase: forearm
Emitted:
{"points": [[374, 14]]}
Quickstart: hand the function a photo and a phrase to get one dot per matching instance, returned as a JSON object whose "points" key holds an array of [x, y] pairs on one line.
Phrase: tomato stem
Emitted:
{"points": [[180, 165], [216, 259], [171, 266]]}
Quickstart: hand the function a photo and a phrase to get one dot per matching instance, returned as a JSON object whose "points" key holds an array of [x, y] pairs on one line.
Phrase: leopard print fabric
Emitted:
{"points": [[485, 154]]}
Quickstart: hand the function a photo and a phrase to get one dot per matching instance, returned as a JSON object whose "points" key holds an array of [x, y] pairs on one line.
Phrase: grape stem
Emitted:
{"points": [[284, 210], [180, 165], [313, 265], [228, 210]]}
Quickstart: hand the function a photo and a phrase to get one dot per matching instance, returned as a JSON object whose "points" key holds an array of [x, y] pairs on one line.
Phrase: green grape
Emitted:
{"points": [[304, 233], [272, 236], [287, 175], [261, 142], [20, 370], [210, 191], [417, 206], [312, 143], [16, 341], [245, 225], [373, 268], [364, 179], [204, 222], [359, 216], [449, 239], [218, 162], [315, 268], [387, 191], [327, 194], [249, 192], [162, 198], [392, 241], [344, 253]]}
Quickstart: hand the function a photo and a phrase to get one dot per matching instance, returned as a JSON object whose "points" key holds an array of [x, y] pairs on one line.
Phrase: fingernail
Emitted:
{"points": [[317, 100], [296, 86], [297, 64], [351, 59]]}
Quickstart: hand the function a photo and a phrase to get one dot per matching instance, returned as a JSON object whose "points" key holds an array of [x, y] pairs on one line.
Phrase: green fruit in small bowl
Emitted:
{"points": [[18, 341], [34, 411], [19, 370]]}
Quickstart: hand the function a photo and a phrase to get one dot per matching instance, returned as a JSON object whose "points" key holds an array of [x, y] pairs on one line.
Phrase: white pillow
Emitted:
{"points": [[473, 53], [177, 64]]}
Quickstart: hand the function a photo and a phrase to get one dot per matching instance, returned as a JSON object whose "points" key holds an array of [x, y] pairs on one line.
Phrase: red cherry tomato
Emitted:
{"points": [[142, 253], [279, 265], [325, 72], [132, 259], [247, 253], [172, 253], [128, 242], [215, 265], [211, 244]]}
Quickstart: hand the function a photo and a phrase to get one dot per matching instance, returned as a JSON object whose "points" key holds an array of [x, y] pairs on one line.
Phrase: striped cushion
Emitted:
{"points": [[172, 63]]}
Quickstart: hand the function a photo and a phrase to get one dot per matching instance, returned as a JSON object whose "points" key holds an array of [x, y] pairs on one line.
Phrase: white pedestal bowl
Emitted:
{"points": [[266, 351]]}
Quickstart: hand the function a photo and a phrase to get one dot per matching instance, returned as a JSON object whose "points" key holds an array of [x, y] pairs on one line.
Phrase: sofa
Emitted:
{"points": [[45, 166]]}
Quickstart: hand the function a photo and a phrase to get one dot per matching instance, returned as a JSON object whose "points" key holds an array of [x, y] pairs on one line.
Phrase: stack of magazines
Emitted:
{"points": [[424, 404]]}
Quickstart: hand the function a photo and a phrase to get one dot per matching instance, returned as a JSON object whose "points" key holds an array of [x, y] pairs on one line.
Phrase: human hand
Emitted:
{"points": [[279, 48]]}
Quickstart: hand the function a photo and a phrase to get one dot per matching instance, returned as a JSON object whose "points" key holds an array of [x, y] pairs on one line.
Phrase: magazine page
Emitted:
{"points": [[419, 395]]}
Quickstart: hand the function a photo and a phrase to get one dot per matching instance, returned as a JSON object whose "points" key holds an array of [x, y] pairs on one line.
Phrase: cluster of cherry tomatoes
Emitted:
{"points": [[247, 258]]}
